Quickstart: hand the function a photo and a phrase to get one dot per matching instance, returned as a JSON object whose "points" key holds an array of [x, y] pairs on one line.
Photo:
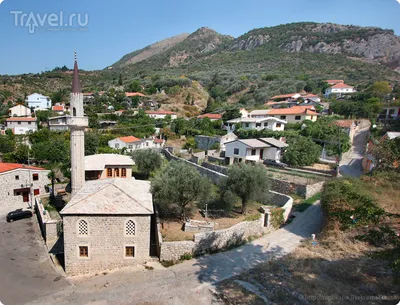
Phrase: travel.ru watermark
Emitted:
{"points": [[50, 22]]}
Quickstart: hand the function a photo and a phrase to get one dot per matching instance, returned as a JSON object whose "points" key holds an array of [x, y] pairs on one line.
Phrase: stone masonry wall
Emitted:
{"points": [[106, 251], [47, 225], [9, 182], [214, 176]]}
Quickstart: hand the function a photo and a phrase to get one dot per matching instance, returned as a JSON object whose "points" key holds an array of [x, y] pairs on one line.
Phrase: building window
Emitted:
{"points": [[35, 177], [116, 145], [247, 124], [109, 172], [297, 117], [83, 228], [130, 228], [265, 124], [278, 125], [83, 251], [283, 117], [123, 172], [147, 143], [236, 151], [36, 192], [129, 251], [116, 172], [29, 123], [258, 124], [19, 123], [253, 152], [312, 118], [130, 146], [16, 177]]}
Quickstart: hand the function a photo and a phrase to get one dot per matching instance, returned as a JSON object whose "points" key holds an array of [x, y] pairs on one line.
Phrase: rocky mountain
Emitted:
{"points": [[150, 50], [367, 43]]}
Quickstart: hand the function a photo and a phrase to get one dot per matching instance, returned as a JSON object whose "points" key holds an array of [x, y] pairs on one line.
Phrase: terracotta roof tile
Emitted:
{"points": [[211, 116], [21, 119], [5, 167], [129, 139], [293, 110], [340, 86]]}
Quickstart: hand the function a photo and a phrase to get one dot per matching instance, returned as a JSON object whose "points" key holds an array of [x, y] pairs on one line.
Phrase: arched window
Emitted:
{"points": [[74, 111], [109, 172], [130, 228], [83, 227], [123, 172], [116, 172]]}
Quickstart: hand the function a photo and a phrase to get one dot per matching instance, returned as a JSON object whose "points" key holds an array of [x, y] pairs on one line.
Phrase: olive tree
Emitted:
{"points": [[179, 184], [147, 160]]}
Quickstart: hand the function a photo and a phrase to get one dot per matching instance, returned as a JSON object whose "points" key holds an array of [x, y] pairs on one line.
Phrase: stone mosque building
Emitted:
{"points": [[107, 222]]}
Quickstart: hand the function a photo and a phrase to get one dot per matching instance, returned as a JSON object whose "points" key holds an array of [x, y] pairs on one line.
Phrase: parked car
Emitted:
{"points": [[275, 163], [18, 214]]}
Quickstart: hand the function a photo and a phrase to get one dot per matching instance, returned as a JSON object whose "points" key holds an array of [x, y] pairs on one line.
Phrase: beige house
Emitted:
{"points": [[107, 225], [19, 110], [105, 166], [295, 114]]}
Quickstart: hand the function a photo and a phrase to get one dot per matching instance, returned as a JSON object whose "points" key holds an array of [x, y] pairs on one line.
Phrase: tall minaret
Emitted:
{"points": [[77, 123]]}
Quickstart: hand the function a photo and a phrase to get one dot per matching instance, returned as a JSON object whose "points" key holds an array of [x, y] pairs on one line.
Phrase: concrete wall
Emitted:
{"points": [[106, 243], [9, 182], [303, 190], [205, 142]]}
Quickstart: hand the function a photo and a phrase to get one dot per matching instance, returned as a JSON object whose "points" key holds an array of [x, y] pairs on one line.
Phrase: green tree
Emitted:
{"points": [[120, 81], [135, 86], [248, 182], [179, 184], [380, 90], [147, 160], [91, 143], [231, 114], [7, 144], [302, 151], [387, 154]]}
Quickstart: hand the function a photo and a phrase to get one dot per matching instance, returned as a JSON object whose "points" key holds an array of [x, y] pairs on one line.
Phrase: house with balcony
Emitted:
{"points": [[21, 125], [38, 101], [339, 89], [389, 112], [253, 150], [58, 123], [270, 123], [295, 114]]}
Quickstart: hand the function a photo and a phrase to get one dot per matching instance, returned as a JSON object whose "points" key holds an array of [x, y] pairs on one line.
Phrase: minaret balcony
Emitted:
{"points": [[75, 121]]}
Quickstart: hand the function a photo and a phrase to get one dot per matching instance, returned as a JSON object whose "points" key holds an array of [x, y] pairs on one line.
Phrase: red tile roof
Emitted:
{"points": [[340, 86], [129, 94], [334, 81], [129, 139], [21, 119], [293, 110], [158, 140], [6, 167], [211, 116], [160, 112], [58, 108]]}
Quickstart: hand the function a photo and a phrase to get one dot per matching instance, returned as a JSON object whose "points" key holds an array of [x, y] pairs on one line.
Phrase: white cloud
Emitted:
{"points": [[3, 0]]}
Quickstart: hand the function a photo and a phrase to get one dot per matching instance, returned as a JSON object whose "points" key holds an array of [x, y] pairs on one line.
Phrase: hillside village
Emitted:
{"points": [[167, 172]]}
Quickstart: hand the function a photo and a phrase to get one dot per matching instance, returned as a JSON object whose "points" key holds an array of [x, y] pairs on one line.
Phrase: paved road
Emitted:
{"points": [[190, 282], [25, 270], [351, 164]]}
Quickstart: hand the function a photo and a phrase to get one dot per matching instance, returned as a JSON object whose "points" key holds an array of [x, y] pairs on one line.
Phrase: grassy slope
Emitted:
{"points": [[336, 268]]}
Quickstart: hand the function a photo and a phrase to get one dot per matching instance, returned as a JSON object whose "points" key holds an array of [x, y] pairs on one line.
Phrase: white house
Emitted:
{"points": [[339, 89], [295, 114], [263, 113], [131, 143], [161, 114], [19, 110], [21, 125], [270, 123], [37, 100], [254, 150]]}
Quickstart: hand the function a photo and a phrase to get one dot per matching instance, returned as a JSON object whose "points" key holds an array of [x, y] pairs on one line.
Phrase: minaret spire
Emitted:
{"points": [[76, 84], [77, 123]]}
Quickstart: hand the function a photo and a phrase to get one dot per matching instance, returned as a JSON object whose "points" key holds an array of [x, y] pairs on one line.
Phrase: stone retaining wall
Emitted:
{"points": [[47, 225]]}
